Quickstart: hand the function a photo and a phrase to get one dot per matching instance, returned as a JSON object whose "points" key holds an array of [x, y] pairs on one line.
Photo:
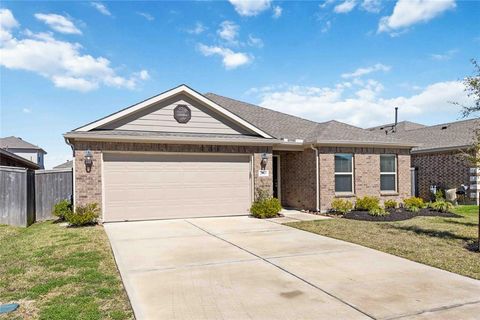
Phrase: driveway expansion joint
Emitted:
{"points": [[288, 272], [453, 306]]}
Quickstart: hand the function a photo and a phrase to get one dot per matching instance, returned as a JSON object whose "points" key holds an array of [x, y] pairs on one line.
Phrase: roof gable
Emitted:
{"points": [[184, 90]]}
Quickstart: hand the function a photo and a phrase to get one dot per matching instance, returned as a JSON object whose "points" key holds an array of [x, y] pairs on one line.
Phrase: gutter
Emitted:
{"points": [[317, 177], [168, 139]]}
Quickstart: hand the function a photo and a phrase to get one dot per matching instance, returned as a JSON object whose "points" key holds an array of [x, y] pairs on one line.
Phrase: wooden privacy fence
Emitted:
{"points": [[27, 196]]}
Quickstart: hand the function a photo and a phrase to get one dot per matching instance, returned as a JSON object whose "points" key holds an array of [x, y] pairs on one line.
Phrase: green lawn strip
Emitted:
{"points": [[56, 272], [440, 242]]}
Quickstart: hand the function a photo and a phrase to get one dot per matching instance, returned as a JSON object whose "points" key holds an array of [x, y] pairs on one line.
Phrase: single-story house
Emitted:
{"points": [[439, 158], [12, 160], [186, 154], [24, 149]]}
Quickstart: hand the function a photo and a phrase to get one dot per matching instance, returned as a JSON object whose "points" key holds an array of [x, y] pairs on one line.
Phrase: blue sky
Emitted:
{"points": [[64, 64]]}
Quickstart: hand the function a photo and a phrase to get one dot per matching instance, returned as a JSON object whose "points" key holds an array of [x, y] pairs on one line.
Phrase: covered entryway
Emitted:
{"points": [[164, 186]]}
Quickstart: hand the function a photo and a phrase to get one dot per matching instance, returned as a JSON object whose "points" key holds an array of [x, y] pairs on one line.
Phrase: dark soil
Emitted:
{"points": [[398, 215]]}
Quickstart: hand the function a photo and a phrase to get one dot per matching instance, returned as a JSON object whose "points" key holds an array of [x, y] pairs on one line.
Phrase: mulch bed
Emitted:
{"points": [[398, 215]]}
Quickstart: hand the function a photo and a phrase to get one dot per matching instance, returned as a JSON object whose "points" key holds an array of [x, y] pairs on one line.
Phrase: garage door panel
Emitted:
{"points": [[141, 186]]}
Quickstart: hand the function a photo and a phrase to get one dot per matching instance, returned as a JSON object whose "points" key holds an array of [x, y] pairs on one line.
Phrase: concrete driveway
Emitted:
{"points": [[244, 268]]}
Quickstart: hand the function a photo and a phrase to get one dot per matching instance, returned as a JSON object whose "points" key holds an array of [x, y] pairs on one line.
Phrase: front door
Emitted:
{"points": [[275, 176]]}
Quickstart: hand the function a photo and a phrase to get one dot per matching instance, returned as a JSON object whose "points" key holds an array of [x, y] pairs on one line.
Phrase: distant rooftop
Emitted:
{"points": [[451, 135], [17, 143]]}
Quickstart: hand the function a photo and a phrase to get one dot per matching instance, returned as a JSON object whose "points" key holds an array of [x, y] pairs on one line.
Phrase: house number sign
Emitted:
{"points": [[182, 113]]}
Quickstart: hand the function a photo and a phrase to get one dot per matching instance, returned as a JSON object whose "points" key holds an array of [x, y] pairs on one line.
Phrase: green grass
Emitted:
{"points": [[63, 273], [445, 243]]}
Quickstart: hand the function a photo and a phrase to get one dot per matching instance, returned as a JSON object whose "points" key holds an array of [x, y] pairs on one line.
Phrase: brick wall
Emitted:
{"points": [[297, 183], [444, 169], [88, 185], [366, 174]]}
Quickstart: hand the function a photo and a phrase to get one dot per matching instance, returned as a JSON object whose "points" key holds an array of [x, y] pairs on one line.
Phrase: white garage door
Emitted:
{"points": [[141, 186]]}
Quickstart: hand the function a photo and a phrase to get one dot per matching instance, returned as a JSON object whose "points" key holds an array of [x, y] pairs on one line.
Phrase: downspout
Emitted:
{"points": [[73, 171], [317, 176]]}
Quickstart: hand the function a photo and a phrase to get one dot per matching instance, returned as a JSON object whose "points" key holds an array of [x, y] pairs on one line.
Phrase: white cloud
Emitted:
{"points": [[255, 42], [360, 104], [230, 59], [444, 56], [58, 23], [228, 31], [326, 27], [101, 8], [146, 15], [250, 7], [61, 62], [7, 23], [409, 12], [277, 12], [372, 6], [364, 71], [198, 29], [345, 7], [325, 4], [26, 110]]}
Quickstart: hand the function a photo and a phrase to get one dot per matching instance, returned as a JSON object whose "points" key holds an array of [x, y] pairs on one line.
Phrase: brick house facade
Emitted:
{"points": [[446, 170], [148, 163]]}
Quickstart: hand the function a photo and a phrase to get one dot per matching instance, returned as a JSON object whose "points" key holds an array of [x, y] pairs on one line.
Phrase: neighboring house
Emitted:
{"points": [[66, 165], [23, 149], [439, 159], [184, 154], [12, 160]]}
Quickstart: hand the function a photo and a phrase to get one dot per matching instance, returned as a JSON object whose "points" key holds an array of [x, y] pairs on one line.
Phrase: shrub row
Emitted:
{"points": [[372, 205]]}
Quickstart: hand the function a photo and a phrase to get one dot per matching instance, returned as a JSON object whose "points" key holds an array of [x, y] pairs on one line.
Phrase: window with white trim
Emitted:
{"points": [[388, 172], [344, 172]]}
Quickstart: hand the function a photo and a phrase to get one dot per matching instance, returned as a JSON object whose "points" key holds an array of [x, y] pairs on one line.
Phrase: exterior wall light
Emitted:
{"points": [[263, 163], [88, 160]]}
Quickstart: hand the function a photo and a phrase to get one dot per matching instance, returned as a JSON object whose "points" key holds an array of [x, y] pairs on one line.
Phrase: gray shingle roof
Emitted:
{"points": [[401, 126], [446, 135], [277, 124], [66, 165], [17, 143], [336, 131], [281, 125]]}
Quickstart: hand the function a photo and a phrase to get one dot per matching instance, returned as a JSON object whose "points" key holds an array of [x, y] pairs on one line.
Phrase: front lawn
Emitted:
{"points": [[441, 242], [56, 272]]}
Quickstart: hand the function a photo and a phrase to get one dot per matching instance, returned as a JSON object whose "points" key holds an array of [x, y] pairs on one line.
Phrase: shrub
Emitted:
{"points": [[390, 204], [378, 211], [441, 206], [413, 204], [265, 207], [367, 203], [83, 215], [61, 209], [341, 205], [439, 195]]}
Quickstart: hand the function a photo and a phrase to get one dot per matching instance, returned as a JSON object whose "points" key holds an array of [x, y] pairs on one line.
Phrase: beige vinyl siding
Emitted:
{"points": [[159, 117], [164, 186]]}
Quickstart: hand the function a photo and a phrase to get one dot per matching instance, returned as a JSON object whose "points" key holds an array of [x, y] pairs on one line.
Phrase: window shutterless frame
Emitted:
{"points": [[386, 173], [348, 172]]}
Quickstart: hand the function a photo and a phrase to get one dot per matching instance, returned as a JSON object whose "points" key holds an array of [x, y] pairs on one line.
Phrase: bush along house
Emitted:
{"points": [[186, 154]]}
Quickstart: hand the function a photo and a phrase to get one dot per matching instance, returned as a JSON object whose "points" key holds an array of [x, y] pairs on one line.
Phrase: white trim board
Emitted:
{"points": [[180, 89]]}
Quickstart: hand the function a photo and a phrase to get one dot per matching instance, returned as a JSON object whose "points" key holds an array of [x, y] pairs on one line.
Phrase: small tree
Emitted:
{"points": [[472, 88]]}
